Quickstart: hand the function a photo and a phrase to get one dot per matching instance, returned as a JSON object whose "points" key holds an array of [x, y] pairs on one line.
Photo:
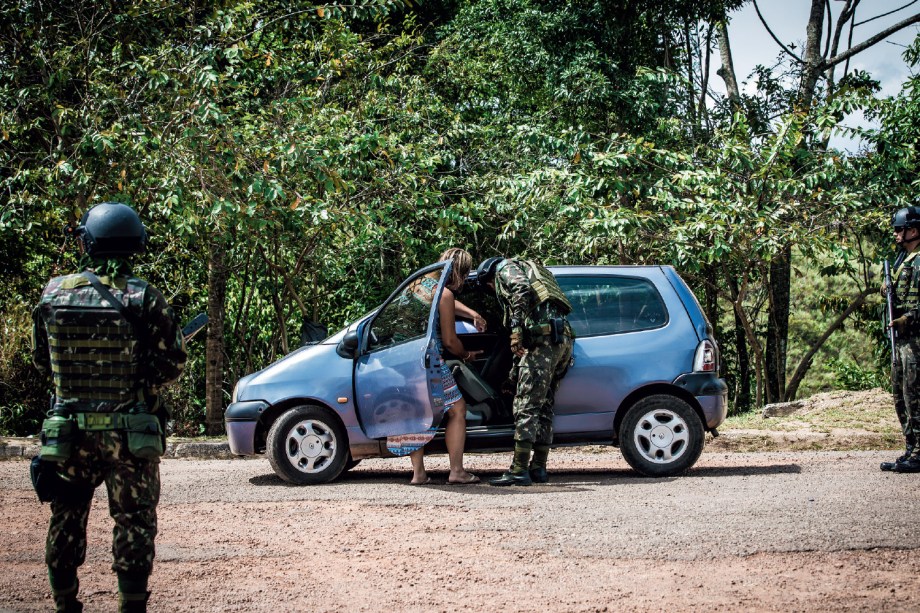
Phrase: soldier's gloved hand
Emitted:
{"points": [[884, 289], [900, 324], [517, 343]]}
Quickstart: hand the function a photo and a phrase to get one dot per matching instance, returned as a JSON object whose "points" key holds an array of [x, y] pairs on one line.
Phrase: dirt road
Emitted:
{"points": [[802, 531]]}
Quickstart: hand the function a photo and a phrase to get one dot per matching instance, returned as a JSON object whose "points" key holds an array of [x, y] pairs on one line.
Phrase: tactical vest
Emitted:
{"points": [[546, 287], [907, 283], [95, 352]]}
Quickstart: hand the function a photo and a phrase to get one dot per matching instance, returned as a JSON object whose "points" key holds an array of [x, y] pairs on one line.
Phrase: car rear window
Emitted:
{"points": [[612, 305]]}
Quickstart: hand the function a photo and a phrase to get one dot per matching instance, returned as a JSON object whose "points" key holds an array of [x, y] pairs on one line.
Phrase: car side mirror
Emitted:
{"points": [[348, 346]]}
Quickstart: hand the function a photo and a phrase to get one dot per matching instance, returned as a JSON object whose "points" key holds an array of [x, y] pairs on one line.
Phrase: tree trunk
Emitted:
{"points": [[214, 377], [737, 296], [727, 71], [781, 266], [814, 61], [805, 363], [778, 325], [742, 400]]}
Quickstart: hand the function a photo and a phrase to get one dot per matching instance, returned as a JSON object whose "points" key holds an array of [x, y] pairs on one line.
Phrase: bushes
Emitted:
{"points": [[23, 393]]}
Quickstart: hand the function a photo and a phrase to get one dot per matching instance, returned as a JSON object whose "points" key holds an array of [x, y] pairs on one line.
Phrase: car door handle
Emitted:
{"points": [[427, 361]]}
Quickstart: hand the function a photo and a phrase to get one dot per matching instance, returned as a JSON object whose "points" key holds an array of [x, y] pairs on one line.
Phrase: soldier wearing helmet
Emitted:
{"points": [[110, 342], [905, 288], [534, 310]]}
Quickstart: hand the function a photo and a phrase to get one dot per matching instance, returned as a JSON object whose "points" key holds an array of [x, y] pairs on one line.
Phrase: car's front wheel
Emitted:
{"points": [[307, 445], [661, 436]]}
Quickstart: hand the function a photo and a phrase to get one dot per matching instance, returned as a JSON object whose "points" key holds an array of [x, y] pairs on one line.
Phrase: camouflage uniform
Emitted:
{"points": [[540, 370], [99, 365], [906, 292]]}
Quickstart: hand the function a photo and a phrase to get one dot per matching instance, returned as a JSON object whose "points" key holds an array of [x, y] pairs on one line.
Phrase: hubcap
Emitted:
{"points": [[311, 446], [661, 436]]}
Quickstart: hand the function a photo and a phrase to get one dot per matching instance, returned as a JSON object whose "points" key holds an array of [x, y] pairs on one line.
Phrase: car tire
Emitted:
{"points": [[307, 445], [661, 436]]}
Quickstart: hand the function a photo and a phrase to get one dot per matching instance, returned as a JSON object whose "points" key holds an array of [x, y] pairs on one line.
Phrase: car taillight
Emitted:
{"points": [[705, 358]]}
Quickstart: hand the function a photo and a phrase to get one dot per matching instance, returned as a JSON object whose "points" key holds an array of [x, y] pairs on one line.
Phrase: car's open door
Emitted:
{"points": [[398, 387]]}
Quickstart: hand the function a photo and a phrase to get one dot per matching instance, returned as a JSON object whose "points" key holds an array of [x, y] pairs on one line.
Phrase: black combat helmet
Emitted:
{"points": [[111, 229], [908, 217], [486, 270]]}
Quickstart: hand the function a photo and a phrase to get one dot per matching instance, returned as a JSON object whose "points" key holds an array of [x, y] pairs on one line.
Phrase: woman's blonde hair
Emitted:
{"points": [[462, 264]]}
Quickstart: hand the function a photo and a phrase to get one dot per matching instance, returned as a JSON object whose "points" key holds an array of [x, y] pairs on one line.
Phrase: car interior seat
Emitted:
{"points": [[481, 399]]}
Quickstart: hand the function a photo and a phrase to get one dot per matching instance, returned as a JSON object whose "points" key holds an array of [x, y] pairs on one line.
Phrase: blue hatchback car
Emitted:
{"points": [[644, 378]]}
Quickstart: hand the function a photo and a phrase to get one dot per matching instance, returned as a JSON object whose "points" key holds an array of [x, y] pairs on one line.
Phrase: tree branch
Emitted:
{"points": [[778, 42], [886, 14], [849, 9], [805, 363], [871, 41]]}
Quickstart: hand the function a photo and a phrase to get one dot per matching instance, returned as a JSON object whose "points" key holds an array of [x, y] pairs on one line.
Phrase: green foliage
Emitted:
{"points": [[853, 376], [23, 401], [324, 152]]}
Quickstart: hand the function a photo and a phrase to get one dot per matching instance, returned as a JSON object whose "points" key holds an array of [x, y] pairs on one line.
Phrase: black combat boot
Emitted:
{"points": [[890, 465], [133, 603], [910, 465], [132, 591], [517, 474], [65, 598], [67, 602], [537, 471]]}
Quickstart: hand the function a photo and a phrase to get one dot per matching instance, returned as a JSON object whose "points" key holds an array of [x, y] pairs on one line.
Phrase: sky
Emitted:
{"points": [[751, 43]]}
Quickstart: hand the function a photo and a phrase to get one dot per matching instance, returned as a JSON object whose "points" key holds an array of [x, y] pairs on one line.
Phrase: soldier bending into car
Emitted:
{"points": [[906, 323], [534, 309], [110, 342]]}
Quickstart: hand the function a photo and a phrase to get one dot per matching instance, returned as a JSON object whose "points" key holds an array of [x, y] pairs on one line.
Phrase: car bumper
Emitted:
{"points": [[240, 420], [710, 392]]}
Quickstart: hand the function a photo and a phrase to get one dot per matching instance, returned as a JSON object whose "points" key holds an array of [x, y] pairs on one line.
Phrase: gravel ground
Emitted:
{"points": [[796, 531]]}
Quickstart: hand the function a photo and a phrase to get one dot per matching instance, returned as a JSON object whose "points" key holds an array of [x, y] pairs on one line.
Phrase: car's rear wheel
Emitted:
{"points": [[661, 436], [307, 445]]}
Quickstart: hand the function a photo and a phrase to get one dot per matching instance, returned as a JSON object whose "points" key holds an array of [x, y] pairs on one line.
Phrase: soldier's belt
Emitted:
{"points": [[101, 421], [545, 330], [556, 329]]}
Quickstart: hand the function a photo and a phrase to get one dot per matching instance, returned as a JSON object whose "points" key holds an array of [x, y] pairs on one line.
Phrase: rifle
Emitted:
{"points": [[195, 326], [889, 300]]}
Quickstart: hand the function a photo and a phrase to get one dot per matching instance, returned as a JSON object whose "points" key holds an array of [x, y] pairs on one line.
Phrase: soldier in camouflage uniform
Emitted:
{"points": [[106, 372], [534, 310], [906, 323]]}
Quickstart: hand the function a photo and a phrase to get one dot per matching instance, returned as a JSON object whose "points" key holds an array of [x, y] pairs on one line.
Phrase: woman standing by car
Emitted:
{"points": [[455, 432]]}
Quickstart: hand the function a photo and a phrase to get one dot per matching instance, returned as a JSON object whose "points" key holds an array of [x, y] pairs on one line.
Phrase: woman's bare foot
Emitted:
{"points": [[462, 477]]}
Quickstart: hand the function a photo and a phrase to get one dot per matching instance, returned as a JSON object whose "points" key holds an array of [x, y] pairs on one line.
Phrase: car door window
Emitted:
{"points": [[612, 305], [406, 317]]}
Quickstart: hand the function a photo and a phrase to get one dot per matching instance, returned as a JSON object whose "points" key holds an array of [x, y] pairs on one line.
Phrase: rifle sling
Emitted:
{"points": [[114, 302]]}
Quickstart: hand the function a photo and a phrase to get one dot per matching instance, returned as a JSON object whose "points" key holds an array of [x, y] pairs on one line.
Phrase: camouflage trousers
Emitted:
{"points": [[538, 374], [906, 386], [133, 487]]}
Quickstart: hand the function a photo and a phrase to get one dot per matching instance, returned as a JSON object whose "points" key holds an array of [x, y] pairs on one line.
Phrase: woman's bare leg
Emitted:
{"points": [[455, 438], [419, 475]]}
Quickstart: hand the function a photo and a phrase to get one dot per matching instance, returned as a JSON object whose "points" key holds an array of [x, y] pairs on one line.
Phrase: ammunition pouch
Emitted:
{"points": [[145, 436]]}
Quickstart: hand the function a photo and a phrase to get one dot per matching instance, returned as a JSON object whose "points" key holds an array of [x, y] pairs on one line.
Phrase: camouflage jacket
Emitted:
{"points": [[521, 307], [99, 362]]}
